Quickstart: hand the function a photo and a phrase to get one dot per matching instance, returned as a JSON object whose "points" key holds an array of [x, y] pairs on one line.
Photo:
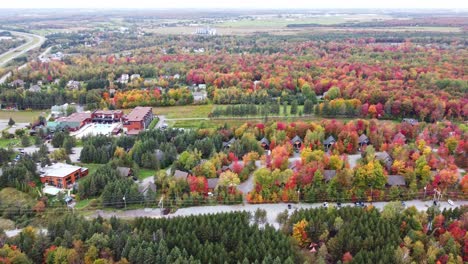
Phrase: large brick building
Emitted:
{"points": [[62, 175], [138, 119], [72, 122]]}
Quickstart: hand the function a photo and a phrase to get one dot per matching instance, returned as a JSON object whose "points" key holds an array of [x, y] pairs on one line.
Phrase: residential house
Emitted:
{"points": [[212, 184], [410, 121], [363, 140], [265, 143], [228, 144], [62, 175], [385, 158], [330, 141], [18, 83], [125, 171], [73, 85], [328, 175], [199, 96], [297, 143], [395, 180], [134, 77], [181, 175], [399, 137], [146, 188], [123, 78], [35, 88]]}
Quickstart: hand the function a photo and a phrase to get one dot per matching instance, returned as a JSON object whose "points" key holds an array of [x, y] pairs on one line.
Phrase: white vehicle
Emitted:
{"points": [[450, 202], [325, 204]]}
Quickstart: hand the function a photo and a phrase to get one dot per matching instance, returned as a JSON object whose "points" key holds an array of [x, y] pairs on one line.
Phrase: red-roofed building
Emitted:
{"points": [[138, 119], [74, 121], [108, 116]]}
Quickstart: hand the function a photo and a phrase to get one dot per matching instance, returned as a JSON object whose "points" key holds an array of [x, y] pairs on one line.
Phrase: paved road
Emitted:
{"points": [[272, 209], [33, 41], [161, 122]]}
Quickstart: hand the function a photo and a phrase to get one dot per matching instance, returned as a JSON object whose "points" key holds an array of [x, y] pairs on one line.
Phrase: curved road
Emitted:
{"points": [[33, 41]]}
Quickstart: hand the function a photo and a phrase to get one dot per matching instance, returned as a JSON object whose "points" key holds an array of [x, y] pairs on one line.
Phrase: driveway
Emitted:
{"points": [[161, 122]]}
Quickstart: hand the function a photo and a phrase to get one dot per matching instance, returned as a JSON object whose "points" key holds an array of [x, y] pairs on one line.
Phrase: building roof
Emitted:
{"points": [[213, 183], [399, 135], [133, 132], [329, 140], [411, 121], [329, 174], [265, 141], [138, 114], [229, 142], [75, 117], [385, 157], [178, 174], [107, 112], [296, 139], [396, 180], [363, 139], [59, 170], [124, 171], [143, 189]]}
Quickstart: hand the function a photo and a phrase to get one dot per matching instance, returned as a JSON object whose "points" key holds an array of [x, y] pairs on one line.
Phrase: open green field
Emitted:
{"points": [[274, 21], [26, 116]]}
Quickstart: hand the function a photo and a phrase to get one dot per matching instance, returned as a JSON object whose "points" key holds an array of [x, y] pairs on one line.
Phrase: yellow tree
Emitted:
{"points": [[300, 234]]}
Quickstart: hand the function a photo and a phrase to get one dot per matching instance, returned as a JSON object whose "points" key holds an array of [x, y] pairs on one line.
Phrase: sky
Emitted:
{"points": [[226, 4]]}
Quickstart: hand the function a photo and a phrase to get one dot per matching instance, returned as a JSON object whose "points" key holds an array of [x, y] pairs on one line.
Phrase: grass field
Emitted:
{"points": [[82, 204], [4, 143], [25, 116], [145, 173], [92, 167]]}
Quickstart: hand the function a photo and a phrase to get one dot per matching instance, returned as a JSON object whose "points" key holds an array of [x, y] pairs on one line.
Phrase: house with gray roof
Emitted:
{"points": [[396, 180]]}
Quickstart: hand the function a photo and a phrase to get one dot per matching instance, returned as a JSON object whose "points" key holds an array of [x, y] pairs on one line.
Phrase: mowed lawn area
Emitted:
{"points": [[25, 116], [181, 111]]}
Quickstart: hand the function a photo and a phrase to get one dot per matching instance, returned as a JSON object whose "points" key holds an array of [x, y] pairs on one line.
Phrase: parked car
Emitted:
{"points": [[325, 204], [359, 204]]}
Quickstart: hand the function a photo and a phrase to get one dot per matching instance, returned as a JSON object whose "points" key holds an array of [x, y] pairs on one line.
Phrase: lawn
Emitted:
{"points": [[4, 143], [92, 167], [145, 173], [82, 204], [288, 111], [25, 116], [153, 123]]}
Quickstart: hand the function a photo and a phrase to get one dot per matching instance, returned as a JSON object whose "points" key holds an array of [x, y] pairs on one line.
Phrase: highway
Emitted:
{"points": [[32, 41]]}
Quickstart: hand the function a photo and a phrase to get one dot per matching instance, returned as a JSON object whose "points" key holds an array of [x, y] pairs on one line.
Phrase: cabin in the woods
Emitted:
{"points": [[297, 143], [265, 144]]}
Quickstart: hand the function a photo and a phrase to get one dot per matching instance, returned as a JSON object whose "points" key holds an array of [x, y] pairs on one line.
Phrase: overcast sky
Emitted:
{"points": [[266, 4]]}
